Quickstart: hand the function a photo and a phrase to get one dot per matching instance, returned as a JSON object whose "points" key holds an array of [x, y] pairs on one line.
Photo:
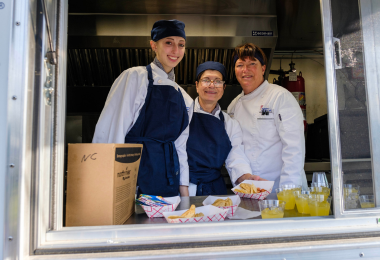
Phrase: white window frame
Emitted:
{"points": [[47, 230]]}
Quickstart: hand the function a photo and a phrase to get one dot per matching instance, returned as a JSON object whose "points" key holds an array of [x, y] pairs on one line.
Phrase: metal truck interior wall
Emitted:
{"points": [[104, 40]]}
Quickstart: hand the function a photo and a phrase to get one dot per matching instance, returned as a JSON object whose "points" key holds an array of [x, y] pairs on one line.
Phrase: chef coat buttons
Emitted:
{"points": [[176, 173]]}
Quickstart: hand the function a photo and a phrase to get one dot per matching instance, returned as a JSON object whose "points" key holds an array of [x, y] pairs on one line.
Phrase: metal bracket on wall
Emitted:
{"points": [[338, 53], [51, 55], [48, 88]]}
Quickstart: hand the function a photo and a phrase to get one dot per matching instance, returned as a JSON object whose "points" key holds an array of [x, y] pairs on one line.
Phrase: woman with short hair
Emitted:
{"points": [[271, 121]]}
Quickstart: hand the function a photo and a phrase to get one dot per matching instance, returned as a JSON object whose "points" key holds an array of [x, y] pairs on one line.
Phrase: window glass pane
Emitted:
{"points": [[353, 116]]}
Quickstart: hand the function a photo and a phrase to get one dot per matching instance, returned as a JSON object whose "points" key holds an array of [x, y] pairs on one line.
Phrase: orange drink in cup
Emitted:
{"points": [[272, 208], [301, 198], [287, 196], [321, 189], [318, 206], [367, 201]]}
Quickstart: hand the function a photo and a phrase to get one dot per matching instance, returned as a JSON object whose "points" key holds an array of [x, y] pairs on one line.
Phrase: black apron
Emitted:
{"points": [[161, 121], [207, 147]]}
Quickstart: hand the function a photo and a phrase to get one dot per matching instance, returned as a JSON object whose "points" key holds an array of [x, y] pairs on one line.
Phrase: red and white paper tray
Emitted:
{"points": [[267, 185], [211, 213], [231, 209], [156, 212]]}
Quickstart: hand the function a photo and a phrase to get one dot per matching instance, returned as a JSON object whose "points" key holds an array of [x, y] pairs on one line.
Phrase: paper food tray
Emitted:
{"points": [[156, 212], [268, 185], [231, 209], [211, 213]]}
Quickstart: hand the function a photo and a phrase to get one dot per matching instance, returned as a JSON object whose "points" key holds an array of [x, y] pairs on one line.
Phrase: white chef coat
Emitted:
{"points": [[123, 107], [274, 143], [237, 163]]}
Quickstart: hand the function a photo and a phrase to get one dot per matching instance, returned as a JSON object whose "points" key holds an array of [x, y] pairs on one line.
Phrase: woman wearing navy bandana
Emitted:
{"points": [[146, 106], [271, 121], [215, 138]]}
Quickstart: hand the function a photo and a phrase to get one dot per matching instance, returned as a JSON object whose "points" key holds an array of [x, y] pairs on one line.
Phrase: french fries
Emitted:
{"points": [[190, 213], [249, 189], [222, 203]]}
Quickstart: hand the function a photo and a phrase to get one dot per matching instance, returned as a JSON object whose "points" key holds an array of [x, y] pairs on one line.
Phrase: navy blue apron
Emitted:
{"points": [[207, 147], [161, 121]]}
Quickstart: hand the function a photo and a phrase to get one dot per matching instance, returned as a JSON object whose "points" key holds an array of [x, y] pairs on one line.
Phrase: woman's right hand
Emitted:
{"points": [[257, 178], [249, 176]]}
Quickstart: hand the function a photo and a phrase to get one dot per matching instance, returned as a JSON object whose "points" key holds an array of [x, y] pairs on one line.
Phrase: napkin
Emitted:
{"points": [[241, 213]]}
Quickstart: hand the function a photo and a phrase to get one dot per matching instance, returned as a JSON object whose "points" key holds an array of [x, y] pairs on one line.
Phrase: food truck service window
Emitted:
{"points": [[69, 205]]}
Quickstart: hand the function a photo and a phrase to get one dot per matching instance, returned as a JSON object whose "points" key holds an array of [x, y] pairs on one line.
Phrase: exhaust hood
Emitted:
{"points": [[202, 31], [106, 38], [117, 34]]}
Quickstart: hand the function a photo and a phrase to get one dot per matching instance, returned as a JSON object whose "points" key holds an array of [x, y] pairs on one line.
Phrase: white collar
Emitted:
{"points": [[199, 109], [258, 91], [158, 64], [162, 74]]}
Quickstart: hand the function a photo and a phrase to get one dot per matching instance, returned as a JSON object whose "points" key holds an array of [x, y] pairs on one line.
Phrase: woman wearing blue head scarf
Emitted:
{"points": [[214, 137], [146, 106]]}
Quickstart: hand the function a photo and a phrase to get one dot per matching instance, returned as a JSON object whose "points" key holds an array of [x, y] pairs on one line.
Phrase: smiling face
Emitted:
{"points": [[249, 73], [169, 51], [209, 95]]}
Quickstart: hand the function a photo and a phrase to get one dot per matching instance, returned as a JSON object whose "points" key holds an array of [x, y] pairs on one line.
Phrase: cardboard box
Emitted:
{"points": [[101, 183]]}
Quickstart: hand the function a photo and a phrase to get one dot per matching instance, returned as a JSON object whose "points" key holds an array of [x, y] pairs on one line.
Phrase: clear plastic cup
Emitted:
{"points": [[272, 208], [320, 190], [318, 206], [287, 196], [351, 194], [320, 177], [302, 198], [291, 187], [367, 201], [317, 184]]}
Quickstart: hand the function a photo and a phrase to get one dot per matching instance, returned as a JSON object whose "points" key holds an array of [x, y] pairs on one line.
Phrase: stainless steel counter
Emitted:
{"points": [[140, 217]]}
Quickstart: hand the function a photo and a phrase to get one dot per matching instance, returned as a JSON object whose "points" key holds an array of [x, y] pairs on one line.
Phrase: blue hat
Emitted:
{"points": [[166, 28], [212, 65], [257, 55]]}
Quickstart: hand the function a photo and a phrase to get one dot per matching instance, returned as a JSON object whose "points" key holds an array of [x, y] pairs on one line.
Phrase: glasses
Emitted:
{"points": [[207, 83]]}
